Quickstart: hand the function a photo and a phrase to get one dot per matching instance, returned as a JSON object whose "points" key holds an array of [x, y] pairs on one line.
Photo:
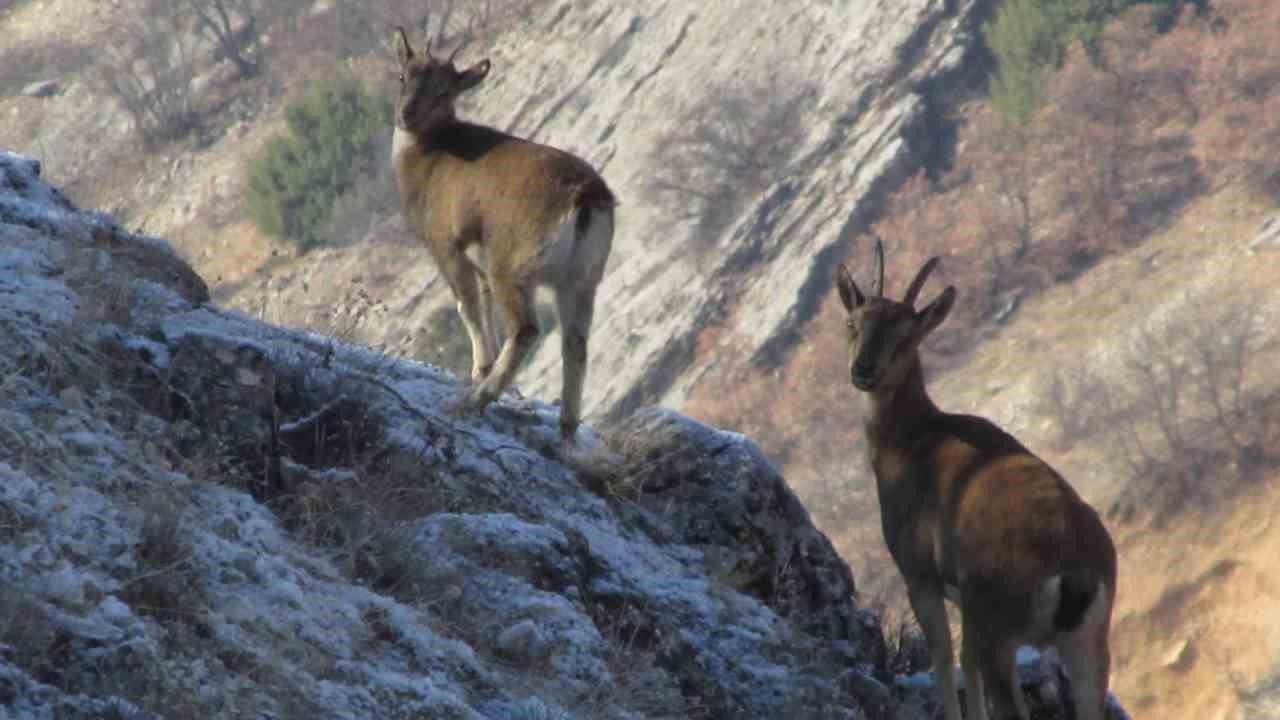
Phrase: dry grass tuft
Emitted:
{"points": [[166, 586]]}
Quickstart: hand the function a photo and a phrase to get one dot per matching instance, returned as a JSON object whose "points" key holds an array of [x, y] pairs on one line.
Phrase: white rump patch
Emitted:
{"points": [[1044, 606], [563, 258]]}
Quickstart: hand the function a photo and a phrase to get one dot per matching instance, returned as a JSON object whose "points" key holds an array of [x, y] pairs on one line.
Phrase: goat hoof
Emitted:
{"points": [[458, 406], [479, 398], [569, 432]]}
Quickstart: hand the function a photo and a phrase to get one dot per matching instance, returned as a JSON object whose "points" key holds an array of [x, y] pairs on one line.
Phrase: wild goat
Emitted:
{"points": [[970, 514], [532, 215]]}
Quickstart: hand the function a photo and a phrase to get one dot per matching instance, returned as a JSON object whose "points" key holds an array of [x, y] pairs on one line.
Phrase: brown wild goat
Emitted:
{"points": [[971, 515], [501, 217]]}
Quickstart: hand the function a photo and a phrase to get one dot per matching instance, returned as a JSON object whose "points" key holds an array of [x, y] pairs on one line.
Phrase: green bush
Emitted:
{"points": [[1029, 38], [336, 133]]}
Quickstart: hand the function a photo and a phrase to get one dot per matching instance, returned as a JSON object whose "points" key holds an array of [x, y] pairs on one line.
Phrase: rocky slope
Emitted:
{"points": [[205, 516]]}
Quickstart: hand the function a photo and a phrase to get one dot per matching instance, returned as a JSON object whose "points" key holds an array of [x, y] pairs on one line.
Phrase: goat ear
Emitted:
{"points": [[935, 312], [404, 53], [850, 295], [473, 75]]}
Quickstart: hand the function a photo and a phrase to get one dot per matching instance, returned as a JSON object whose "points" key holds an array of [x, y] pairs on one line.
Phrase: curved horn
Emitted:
{"points": [[454, 54], [914, 289], [426, 32], [879, 289], [404, 51], [850, 295]]}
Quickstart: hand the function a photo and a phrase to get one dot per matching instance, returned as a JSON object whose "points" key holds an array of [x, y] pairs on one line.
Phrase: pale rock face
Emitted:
{"points": [[610, 82]]}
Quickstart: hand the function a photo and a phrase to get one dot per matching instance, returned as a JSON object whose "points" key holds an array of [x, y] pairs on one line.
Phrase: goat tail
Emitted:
{"points": [[1076, 593], [593, 197]]}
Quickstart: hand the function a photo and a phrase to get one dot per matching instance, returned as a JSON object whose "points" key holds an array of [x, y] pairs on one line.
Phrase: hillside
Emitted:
{"points": [[1132, 217], [1127, 339], [202, 515]]}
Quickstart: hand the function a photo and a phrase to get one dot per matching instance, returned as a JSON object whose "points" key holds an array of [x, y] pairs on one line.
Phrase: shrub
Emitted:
{"points": [[734, 144], [1029, 38], [1189, 412], [150, 70], [1026, 39], [332, 145]]}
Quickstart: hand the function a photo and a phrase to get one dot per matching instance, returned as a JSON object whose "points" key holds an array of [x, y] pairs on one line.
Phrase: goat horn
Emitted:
{"points": [[879, 267], [454, 54], [426, 31], [918, 283]]}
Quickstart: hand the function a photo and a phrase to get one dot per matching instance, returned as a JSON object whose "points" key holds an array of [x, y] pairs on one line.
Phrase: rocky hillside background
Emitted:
{"points": [[632, 90], [1113, 249], [202, 515]]}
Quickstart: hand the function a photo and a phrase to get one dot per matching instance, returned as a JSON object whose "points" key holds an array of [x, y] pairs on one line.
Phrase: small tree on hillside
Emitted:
{"points": [[1029, 38], [335, 132]]}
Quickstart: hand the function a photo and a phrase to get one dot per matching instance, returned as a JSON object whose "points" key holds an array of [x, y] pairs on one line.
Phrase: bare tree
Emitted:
{"points": [[231, 27], [1188, 413], [158, 50], [733, 145], [149, 69]]}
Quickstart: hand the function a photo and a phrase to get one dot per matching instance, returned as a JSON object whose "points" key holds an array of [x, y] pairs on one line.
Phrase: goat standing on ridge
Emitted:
{"points": [[501, 216], [971, 515]]}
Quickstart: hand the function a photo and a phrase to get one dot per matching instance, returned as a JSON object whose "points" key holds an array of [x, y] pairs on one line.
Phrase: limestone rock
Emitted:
{"points": [[1268, 235], [41, 89]]}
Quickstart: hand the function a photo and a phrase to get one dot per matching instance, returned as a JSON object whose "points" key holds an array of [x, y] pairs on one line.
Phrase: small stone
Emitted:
{"points": [[1180, 656], [73, 398], [523, 641], [41, 89], [1268, 234], [248, 377]]}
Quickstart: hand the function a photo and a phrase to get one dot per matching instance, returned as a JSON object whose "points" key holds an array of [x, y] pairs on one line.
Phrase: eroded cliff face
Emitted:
{"points": [[630, 79], [745, 140]]}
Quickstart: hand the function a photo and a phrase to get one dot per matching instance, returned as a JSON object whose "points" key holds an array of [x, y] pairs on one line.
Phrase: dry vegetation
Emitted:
{"points": [[737, 142], [1191, 415], [1125, 139]]}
